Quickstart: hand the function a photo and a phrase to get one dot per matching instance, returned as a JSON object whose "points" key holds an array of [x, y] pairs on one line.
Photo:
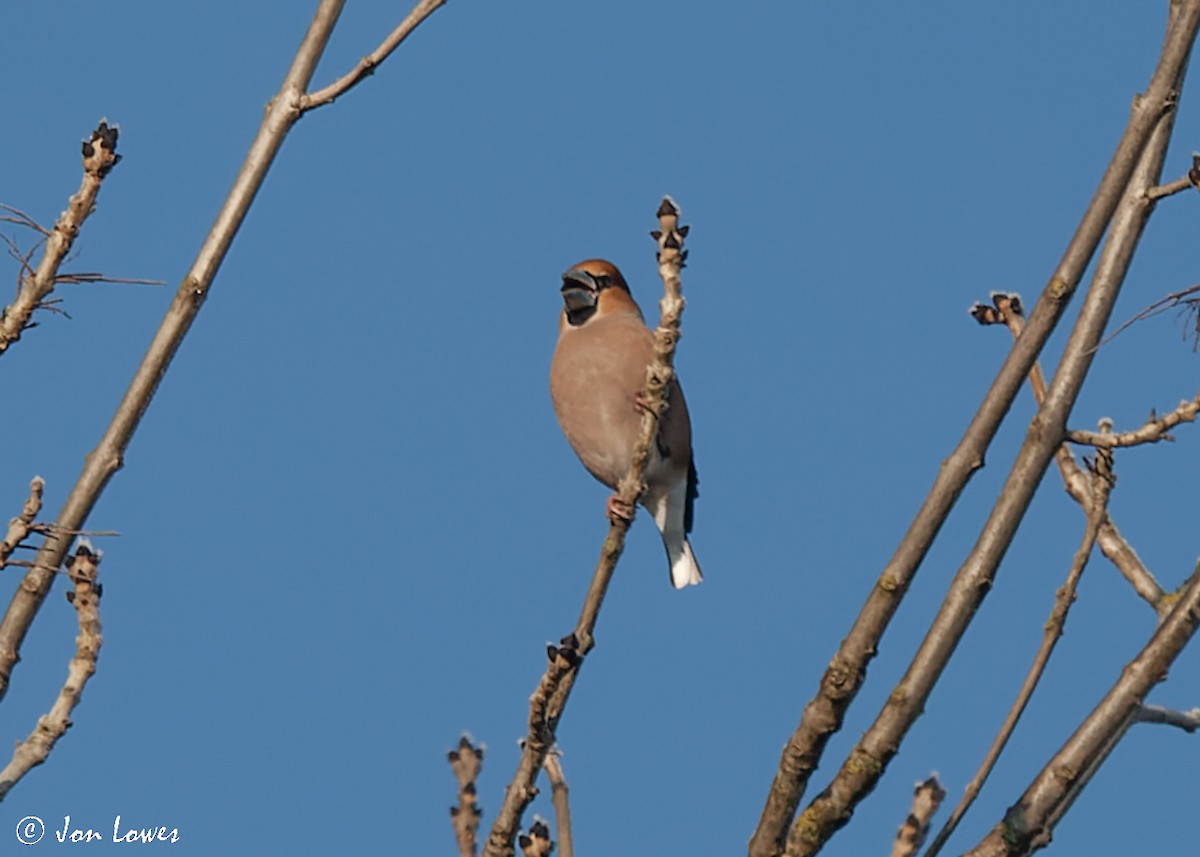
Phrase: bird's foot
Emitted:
{"points": [[616, 510], [641, 403]]}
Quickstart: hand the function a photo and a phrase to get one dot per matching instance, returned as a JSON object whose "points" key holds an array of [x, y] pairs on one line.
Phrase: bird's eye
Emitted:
{"points": [[603, 281]]}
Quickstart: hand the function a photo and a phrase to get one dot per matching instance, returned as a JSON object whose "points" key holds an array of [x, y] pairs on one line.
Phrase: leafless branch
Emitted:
{"points": [[1185, 298], [466, 762], [1188, 721], [106, 459], [1101, 485], [869, 758], [1191, 179], [1155, 429], [554, 689], [1029, 824], [1006, 309], [22, 258], [93, 277], [367, 65], [823, 716], [85, 597], [1169, 189], [20, 218], [927, 797], [560, 796], [21, 526], [99, 157]]}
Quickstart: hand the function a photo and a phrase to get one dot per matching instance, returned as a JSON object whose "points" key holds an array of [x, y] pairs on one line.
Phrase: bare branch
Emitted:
{"points": [[1155, 429], [85, 597], [1192, 179], [869, 758], [1101, 485], [1188, 721], [367, 65], [99, 157], [92, 277], [104, 461], [22, 219], [21, 526], [927, 797], [1029, 824], [550, 699], [560, 797], [24, 269], [1170, 188], [1006, 310], [1183, 297], [824, 714], [466, 761]]}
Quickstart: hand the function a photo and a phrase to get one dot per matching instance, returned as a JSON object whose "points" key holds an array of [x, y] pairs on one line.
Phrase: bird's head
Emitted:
{"points": [[594, 288]]}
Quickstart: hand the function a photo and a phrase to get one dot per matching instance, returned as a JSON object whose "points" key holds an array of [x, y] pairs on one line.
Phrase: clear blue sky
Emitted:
{"points": [[349, 522]]}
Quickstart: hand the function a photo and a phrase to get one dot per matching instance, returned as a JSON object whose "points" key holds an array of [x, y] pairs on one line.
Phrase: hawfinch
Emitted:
{"points": [[596, 378]]}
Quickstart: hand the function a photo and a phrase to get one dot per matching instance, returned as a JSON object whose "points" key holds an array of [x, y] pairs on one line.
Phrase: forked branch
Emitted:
{"points": [[1029, 824], [869, 758], [106, 459], [367, 65], [1006, 309], [823, 716]]}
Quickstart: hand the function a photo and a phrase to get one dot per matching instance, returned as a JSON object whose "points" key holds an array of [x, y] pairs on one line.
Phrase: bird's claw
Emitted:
{"points": [[616, 510], [641, 403]]}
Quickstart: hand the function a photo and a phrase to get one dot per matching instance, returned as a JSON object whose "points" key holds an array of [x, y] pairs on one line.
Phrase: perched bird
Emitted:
{"points": [[596, 380]]}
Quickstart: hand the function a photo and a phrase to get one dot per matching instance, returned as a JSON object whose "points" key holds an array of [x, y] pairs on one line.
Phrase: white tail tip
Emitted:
{"points": [[685, 571]]}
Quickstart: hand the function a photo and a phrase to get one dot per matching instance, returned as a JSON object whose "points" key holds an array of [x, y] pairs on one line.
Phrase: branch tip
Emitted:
{"points": [[100, 149]]}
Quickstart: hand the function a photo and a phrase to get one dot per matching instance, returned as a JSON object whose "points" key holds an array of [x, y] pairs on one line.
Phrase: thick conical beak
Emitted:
{"points": [[576, 297], [579, 293]]}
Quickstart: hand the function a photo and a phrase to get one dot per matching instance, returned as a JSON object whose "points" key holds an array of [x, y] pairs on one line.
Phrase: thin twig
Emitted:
{"points": [[869, 758], [24, 268], [22, 219], [466, 761], [1169, 189], [21, 526], [1188, 721], [1030, 822], [92, 277], [367, 65], [1155, 429], [1158, 307], [554, 690], [927, 797], [99, 157], [85, 597], [1101, 485], [1191, 179], [560, 797]]}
